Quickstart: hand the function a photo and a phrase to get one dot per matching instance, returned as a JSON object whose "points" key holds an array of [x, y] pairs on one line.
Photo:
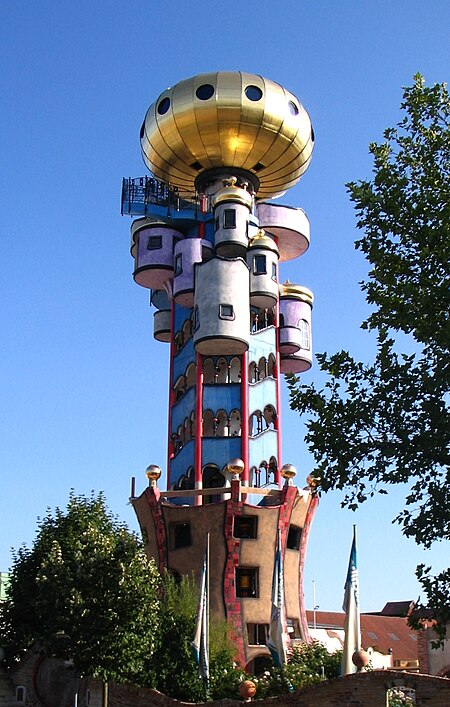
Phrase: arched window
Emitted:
{"points": [[255, 423], [235, 370], [187, 330], [271, 365], [191, 376], [222, 429], [305, 338], [208, 423], [222, 371], [212, 479], [252, 372], [179, 387], [209, 370], [262, 365], [235, 423], [187, 430], [270, 416]]}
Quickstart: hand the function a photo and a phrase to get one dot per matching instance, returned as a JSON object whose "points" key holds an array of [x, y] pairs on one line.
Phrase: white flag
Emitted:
{"points": [[200, 644], [352, 641], [278, 638]]}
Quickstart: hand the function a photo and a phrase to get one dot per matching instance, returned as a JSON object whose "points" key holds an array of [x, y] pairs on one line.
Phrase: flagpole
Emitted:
{"points": [[207, 612], [352, 629]]}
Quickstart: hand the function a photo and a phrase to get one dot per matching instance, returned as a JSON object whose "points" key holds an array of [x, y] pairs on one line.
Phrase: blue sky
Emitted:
{"points": [[83, 384]]}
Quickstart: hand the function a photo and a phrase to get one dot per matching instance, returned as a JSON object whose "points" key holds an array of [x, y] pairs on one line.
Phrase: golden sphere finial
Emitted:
{"points": [[235, 467], [288, 471], [153, 472]]}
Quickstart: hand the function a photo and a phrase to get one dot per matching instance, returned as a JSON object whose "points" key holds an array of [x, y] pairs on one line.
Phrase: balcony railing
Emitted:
{"points": [[139, 193]]}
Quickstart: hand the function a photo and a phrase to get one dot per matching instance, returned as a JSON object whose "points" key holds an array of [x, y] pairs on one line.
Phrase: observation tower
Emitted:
{"points": [[208, 243]]}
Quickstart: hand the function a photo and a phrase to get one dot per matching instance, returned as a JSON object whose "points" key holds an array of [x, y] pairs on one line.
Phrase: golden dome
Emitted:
{"points": [[263, 241], [230, 120], [235, 466], [291, 291]]}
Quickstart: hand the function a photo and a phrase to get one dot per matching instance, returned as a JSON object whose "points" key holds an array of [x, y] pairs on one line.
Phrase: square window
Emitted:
{"points": [[229, 218], [293, 538], [154, 242], [258, 634], [180, 535], [247, 582], [259, 265], [245, 526], [226, 311]]}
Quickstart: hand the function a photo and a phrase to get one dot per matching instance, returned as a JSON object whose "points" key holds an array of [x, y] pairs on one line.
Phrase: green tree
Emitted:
{"points": [[84, 590], [388, 422], [308, 664]]}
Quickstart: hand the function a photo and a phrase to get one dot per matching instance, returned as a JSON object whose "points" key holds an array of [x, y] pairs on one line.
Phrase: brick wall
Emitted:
{"points": [[359, 690]]}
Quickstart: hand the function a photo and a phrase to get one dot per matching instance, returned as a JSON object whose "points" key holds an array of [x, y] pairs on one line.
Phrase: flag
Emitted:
{"points": [[352, 640], [278, 639], [200, 644]]}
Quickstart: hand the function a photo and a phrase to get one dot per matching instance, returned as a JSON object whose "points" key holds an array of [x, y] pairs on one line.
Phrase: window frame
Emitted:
{"points": [[227, 215], [228, 317], [154, 243]]}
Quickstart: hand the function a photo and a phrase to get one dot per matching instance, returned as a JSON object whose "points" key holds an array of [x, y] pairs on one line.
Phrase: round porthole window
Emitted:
{"points": [[163, 107], [253, 93], [205, 91], [293, 108]]}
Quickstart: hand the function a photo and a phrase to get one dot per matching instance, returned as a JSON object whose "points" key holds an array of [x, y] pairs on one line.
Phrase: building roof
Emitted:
{"points": [[383, 633]]}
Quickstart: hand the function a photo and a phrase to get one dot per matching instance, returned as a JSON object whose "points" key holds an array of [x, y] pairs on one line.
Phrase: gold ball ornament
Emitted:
{"points": [[236, 466], [153, 472], [288, 471]]}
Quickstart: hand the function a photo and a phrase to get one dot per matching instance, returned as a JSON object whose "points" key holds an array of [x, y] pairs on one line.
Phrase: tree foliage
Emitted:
{"points": [[388, 422], [308, 664], [86, 591]]}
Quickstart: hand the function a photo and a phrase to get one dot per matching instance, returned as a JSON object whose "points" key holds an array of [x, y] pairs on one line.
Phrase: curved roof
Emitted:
{"points": [[230, 120]]}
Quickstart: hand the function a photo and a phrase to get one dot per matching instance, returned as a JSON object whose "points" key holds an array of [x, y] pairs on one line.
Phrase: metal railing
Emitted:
{"points": [[138, 193]]}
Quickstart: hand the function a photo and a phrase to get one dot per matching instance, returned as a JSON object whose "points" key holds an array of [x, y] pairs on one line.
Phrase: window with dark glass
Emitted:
{"points": [[196, 318], [226, 311], [274, 272], [216, 224], [180, 535], [178, 264], [257, 634], [247, 582], [229, 218], [245, 526], [259, 265], [154, 242], [293, 538]]}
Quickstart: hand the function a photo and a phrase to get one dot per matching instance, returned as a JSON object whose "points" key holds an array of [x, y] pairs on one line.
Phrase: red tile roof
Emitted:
{"points": [[379, 632]]}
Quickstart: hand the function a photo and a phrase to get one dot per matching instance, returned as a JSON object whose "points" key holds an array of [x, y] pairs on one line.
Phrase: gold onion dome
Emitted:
{"points": [[228, 120], [291, 291], [263, 241]]}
